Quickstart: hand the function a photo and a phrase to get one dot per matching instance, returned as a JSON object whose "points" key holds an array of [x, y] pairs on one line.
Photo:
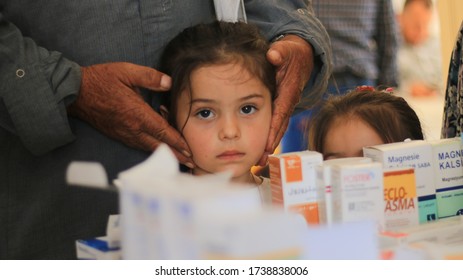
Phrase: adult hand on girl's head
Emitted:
{"points": [[110, 102], [294, 61]]}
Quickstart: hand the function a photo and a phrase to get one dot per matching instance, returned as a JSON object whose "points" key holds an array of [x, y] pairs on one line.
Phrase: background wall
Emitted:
{"points": [[450, 17]]}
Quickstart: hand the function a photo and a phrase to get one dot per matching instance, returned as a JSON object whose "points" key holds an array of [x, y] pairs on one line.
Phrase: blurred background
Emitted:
{"points": [[444, 24]]}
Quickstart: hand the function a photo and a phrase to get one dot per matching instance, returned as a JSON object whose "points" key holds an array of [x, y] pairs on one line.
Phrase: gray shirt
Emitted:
{"points": [[41, 50]]}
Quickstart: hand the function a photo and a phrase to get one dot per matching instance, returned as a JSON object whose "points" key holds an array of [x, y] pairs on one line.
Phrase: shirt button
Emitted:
{"points": [[20, 73], [301, 11]]}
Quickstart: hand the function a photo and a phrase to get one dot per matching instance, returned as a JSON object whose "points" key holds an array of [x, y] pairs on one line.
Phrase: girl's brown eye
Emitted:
{"points": [[248, 109], [205, 114]]}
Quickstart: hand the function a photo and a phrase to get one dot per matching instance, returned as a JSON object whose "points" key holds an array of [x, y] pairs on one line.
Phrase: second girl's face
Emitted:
{"points": [[347, 138], [229, 121]]}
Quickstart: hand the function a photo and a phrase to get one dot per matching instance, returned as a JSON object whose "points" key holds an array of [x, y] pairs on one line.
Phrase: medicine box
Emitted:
{"points": [[448, 172], [358, 192], [416, 154], [293, 182], [324, 186], [401, 203]]}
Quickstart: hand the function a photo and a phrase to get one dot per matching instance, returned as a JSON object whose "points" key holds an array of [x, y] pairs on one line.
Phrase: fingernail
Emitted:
{"points": [[190, 165], [186, 153], [166, 82]]}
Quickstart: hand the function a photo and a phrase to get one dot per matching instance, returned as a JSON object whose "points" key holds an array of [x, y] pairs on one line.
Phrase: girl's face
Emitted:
{"points": [[229, 121], [347, 138]]}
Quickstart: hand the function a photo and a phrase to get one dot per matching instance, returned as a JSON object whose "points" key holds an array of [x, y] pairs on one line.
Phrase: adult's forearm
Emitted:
{"points": [[36, 85]]}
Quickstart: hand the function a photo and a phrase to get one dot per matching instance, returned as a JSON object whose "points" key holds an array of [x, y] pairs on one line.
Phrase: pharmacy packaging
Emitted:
{"points": [[268, 233], [358, 192], [416, 154], [293, 182], [97, 249], [443, 231], [448, 174], [196, 206], [324, 186], [401, 202], [163, 216], [431, 251], [104, 247]]}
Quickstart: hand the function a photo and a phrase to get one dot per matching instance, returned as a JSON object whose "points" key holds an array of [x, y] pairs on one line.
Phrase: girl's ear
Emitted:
{"points": [[164, 112]]}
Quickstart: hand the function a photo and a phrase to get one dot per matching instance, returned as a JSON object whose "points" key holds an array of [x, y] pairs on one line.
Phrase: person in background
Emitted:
{"points": [[76, 82], [453, 118], [221, 98], [419, 59], [363, 117], [364, 39]]}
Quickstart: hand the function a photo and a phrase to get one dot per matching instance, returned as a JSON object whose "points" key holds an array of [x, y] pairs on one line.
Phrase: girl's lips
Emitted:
{"points": [[230, 155]]}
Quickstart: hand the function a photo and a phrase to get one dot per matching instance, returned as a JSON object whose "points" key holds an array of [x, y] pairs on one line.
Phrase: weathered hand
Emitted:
{"points": [[110, 102], [294, 60]]}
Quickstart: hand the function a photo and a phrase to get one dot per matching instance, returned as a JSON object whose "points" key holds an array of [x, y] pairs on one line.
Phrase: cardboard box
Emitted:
{"points": [[448, 173], [445, 231], [401, 203], [358, 192], [293, 182], [324, 186], [97, 249], [416, 154]]}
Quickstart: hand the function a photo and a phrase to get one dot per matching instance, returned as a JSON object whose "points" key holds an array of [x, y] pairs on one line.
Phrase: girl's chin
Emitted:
{"points": [[237, 176]]}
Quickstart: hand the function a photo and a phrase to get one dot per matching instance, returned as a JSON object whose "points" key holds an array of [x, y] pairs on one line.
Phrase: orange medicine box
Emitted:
{"points": [[400, 197], [293, 182]]}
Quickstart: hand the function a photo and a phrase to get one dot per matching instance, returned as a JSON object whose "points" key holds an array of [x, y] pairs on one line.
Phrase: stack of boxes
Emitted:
{"points": [[404, 187], [398, 185]]}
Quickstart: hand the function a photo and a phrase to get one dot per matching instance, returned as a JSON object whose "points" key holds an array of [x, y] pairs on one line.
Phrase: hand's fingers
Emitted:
{"points": [[148, 142], [274, 56], [157, 130], [280, 120], [293, 58], [263, 160], [288, 97], [108, 101], [278, 126], [146, 77], [160, 129]]}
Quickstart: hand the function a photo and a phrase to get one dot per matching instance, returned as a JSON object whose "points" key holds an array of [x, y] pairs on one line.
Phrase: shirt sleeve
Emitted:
{"points": [[276, 17], [35, 87], [388, 44]]}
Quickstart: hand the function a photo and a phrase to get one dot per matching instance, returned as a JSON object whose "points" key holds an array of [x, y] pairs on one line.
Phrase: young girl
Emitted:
{"points": [[222, 95], [363, 117]]}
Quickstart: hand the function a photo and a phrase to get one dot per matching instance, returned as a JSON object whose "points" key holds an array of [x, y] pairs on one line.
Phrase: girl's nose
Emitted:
{"points": [[229, 129]]}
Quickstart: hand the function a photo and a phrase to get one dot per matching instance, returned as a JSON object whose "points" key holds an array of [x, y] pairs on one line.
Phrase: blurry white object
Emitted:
{"points": [[88, 174], [230, 10], [342, 241]]}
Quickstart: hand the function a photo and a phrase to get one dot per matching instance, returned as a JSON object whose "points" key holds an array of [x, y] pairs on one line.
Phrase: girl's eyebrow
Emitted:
{"points": [[251, 96], [202, 100], [206, 100]]}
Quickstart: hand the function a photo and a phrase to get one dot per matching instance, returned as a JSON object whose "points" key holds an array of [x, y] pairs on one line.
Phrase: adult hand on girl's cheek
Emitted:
{"points": [[293, 58], [110, 102]]}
